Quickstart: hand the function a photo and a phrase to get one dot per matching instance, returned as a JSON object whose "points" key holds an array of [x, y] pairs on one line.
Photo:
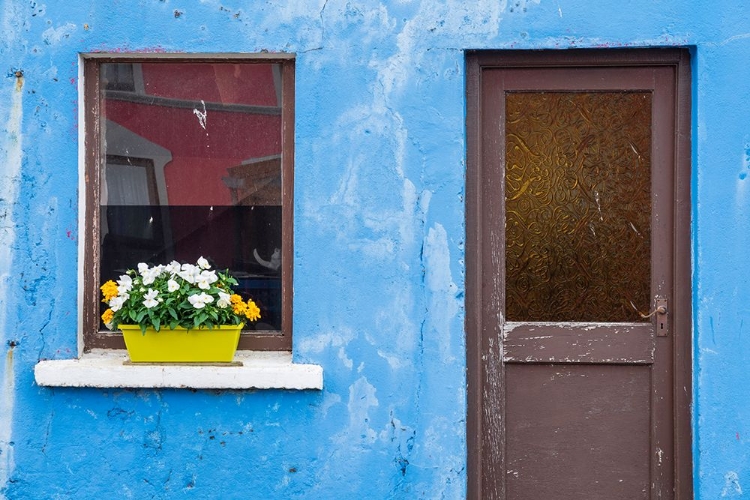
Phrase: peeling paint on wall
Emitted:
{"points": [[732, 486], [7, 404], [444, 300], [10, 158], [53, 36]]}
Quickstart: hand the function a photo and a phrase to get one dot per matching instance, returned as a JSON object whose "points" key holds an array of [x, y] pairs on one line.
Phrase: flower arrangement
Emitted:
{"points": [[175, 295]]}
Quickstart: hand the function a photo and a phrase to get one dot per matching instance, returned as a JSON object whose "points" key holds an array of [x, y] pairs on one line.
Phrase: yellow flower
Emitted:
{"points": [[252, 312], [109, 290], [107, 316], [235, 299], [239, 307]]}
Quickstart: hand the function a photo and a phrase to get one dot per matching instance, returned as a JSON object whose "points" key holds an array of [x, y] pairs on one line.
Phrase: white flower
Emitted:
{"points": [[223, 300], [151, 298], [189, 273], [117, 302], [187, 276], [150, 275], [173, 267], [142, 268], [200, 300], [203, 263], [172, 286], [124, 284], [205, 278]]}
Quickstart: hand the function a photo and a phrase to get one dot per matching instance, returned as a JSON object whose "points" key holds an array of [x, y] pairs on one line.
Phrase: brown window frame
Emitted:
{"points": [[93, 337]]}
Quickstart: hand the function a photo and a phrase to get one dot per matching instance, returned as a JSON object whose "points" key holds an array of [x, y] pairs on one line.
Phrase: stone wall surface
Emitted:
{"points": [[379, 225]]}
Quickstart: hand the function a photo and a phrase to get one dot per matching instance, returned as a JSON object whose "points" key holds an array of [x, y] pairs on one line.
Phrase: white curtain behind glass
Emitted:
{"points": [[126, 185]]}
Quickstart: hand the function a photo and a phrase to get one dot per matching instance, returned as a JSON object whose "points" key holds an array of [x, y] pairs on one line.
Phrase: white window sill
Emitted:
{"points": [[105, 369]]}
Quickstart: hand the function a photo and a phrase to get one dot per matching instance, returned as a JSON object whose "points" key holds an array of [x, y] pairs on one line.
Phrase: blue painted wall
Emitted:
{"points": [[379, 249]]}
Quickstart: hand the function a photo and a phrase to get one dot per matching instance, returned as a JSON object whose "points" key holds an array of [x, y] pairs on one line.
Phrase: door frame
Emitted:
{"points": [[483, 353]]}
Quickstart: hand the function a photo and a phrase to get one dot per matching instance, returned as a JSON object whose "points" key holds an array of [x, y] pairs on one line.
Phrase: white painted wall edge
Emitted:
{"points": [[105, 369]]}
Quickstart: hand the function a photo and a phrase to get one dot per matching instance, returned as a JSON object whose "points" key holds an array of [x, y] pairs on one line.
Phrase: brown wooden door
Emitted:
{"points": [[578, 276]]}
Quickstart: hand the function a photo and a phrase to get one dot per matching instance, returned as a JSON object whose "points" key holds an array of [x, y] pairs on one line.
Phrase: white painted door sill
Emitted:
{"points": [[105, 369]]}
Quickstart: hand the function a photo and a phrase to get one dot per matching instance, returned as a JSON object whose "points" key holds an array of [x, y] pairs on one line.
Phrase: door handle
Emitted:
{"points": [[662, 317], [658, 310]]}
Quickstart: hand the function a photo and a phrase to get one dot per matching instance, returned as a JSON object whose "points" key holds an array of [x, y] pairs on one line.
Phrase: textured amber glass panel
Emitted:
{"points": [[578, 206]]}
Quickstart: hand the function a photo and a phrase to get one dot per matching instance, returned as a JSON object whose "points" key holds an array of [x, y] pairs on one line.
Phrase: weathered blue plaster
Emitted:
{"points": [[379, 246]]}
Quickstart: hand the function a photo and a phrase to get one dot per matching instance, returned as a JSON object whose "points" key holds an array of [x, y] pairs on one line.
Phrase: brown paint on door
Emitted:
{"points": [[572, 394]]}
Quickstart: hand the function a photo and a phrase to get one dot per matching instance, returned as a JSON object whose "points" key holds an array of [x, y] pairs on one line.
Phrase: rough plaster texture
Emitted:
{"points": [[379, 239]]}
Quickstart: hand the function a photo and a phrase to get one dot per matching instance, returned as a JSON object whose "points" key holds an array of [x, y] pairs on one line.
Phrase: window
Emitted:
{"points": [[188, 157]]}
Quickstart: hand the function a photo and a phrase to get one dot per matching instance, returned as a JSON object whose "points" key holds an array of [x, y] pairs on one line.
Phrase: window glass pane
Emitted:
{"points": [[578, 206], [191, 167]]}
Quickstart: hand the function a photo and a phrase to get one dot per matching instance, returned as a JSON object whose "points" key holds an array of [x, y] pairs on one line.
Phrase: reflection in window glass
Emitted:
{"points": [[191, 167]]}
